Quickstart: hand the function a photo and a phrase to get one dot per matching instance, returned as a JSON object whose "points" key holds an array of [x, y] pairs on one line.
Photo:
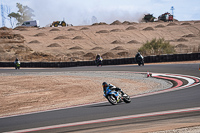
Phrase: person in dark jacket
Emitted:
{"points": [[138, 55]]}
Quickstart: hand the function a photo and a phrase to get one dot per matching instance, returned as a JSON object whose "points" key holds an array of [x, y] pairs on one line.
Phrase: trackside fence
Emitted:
{"points": [[147, 59]]}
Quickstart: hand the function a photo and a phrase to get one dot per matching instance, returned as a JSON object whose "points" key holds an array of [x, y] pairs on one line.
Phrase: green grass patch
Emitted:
{"points": [[157, 47]]}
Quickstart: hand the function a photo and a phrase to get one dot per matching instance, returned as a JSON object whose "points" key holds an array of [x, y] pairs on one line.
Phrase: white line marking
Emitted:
{"points": [[107, 120], [189, 78]]}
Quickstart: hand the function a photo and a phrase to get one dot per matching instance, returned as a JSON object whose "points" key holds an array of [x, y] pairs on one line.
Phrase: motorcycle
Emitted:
{"points": [[140, 60], [115, 97], [17, 65], [99, 62]]}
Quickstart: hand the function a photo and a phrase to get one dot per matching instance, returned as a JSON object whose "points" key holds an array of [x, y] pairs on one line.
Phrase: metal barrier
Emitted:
{"points": [[147, 59]]}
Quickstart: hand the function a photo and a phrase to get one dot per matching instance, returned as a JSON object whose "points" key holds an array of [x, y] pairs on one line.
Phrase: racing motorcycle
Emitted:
{"points": [[17, 65], [115, 97], [140, 60], [99, 62]]}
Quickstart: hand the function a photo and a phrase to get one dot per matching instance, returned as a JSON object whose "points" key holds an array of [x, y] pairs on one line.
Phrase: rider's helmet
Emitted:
{"points": [[104, 84]]}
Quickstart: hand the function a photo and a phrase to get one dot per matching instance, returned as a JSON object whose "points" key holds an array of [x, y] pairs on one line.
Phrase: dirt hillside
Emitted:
{"points": [[84, 42]]}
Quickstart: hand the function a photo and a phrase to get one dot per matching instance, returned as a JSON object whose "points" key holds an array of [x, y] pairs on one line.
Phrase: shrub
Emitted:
{"points": [[156, 47]]}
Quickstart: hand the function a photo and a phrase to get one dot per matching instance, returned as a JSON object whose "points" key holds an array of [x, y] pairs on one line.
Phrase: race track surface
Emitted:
{"points": [[172, 100]]}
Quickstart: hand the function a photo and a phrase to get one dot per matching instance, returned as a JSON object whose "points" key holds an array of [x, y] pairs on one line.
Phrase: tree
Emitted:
{"points": [[24, 13], [13, 16]]}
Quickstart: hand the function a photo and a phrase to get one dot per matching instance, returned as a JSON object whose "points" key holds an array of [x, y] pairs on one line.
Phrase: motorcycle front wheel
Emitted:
{"points": [[126, 98], [112, 99]]}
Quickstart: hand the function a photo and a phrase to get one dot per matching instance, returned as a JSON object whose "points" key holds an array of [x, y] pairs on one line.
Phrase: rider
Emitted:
{"points": [[17, 61], [98, 57], [109, 86], [138, 55], [99, 60]]}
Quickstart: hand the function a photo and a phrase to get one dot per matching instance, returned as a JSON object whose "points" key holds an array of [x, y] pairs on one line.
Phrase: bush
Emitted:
{"points": [[156, 47]]}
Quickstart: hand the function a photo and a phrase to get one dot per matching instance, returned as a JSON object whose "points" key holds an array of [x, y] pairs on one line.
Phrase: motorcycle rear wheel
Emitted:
{"points": [[112, 99]]}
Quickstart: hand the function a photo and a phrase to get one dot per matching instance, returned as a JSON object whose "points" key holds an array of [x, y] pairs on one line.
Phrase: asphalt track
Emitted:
{"points": [[147, 105]]}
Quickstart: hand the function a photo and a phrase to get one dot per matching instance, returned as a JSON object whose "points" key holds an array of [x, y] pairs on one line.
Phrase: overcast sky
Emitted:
{"points": [[80, 12]]}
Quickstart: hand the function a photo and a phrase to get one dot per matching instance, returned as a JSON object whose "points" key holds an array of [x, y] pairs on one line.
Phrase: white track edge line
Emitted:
{"points": [[108, 119]]}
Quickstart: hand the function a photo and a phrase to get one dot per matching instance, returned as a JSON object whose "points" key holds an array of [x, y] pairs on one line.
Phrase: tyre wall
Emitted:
{"points": [[147, 59]]}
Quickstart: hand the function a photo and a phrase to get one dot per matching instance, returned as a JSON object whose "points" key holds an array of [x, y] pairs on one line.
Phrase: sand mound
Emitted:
{"points": [[126, 23], [21, 49], [133, 41], [39, 55], [77, 38], [55, 29], [75, 48], [116, 30], [185, 24], [133, 23], [122, 53], [131, 28], [108, 55], [171, 24], [159, 26], [118, 48], [117, 42], [90, 55], [20, 27], [109, 38], [189, 35], [159, 21], [103, 31], [148, 28], [71, 29], [181, 46], [84, 28], [23, 29], [101, 23], [117, 22], [18, 49], [8, 37], [197, 22], [95, 24], [54, 45], [182, 40], [24, 47], [78, 53], [5, 28], [97, 48], [61, 37], [40, 34], [7, 47], [34, 41]]}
